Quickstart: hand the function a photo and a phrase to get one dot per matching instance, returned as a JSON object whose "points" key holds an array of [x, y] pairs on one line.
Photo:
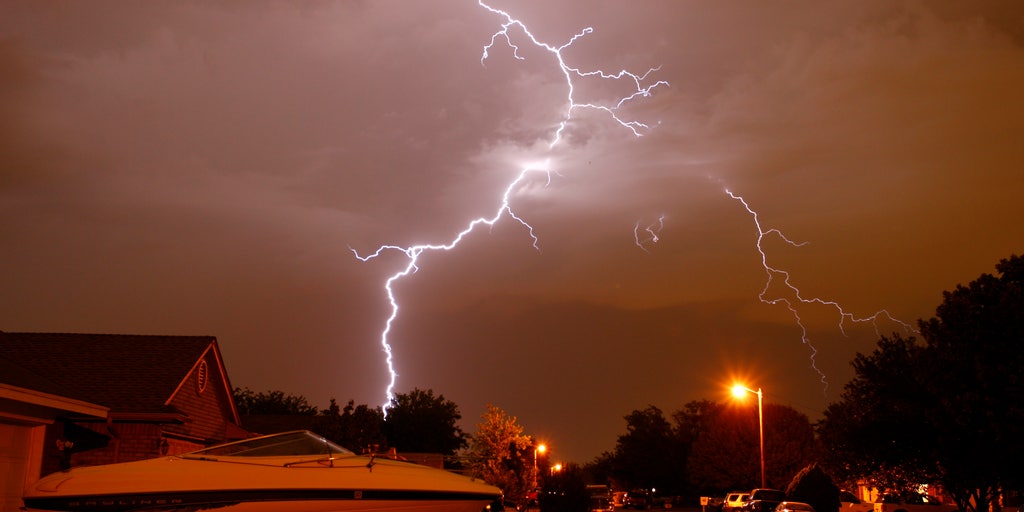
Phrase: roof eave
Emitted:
{"points": [[39, 401]]}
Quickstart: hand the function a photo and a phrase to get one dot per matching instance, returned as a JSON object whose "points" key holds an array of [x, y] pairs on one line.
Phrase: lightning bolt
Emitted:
{"points": [[569, 72], [509, 31], [779, 277], [650, 233]]}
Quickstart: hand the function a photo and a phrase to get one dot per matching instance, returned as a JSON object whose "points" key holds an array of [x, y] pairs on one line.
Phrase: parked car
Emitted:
{"points": [[763, 500], [638, 499], [848, 502], [793, 506], [734, 500], [713, 504], [600, 498], [600, 503]]}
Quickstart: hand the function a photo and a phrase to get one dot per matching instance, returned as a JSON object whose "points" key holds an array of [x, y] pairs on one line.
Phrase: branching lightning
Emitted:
{"points": [[568, 71], [508, 33], [649, 234], [777, 276], [644, 235]]}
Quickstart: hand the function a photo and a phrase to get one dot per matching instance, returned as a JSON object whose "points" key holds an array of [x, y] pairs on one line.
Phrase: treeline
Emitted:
{"points": [[417, 422], [708, 448], [942, 408], [945, 410]]}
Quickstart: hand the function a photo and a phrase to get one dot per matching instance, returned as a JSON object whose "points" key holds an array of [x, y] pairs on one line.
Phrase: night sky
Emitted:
{"points": [[202, 168]]}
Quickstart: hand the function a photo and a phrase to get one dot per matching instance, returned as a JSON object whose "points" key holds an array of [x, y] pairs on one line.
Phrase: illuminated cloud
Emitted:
{"points": [[197, 168]]}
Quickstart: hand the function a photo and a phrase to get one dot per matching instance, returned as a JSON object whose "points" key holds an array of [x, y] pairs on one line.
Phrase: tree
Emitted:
{"points": [[950, 410], [726, 452], [502, 455], [691, 423], [975, 340], [725, 455], [815, 487], [649, 454], [358, 428], [789, 443], [878, 431], [599, 470], [420, 422], [271, 402], [565, 491]]}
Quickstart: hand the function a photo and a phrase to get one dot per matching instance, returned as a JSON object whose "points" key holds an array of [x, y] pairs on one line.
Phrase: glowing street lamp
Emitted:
{"points": [[539, 449], [739, 391]]}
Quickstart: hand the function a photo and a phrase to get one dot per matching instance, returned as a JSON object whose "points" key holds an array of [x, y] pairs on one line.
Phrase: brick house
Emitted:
{"points": [[114, 398], [28, 405]]}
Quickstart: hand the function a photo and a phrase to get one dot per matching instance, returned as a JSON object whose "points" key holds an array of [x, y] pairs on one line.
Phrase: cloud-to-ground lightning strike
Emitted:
{"points": [[413, 252], [777, 276]]}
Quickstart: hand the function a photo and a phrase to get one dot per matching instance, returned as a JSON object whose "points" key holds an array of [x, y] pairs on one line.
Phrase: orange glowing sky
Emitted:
{"points": [[203, 168]]}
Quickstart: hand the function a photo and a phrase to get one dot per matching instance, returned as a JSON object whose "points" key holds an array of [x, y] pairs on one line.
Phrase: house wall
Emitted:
{"points": [[21, 446], [208, 408], [130, 441], [179, 446]]}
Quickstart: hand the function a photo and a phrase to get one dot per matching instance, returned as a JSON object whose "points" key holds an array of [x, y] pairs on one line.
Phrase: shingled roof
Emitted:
{"points": [[127, 373]]}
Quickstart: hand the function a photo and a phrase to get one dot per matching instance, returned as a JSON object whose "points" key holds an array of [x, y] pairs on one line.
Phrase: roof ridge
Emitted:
{"points": [[126, 372], [67, 333]]}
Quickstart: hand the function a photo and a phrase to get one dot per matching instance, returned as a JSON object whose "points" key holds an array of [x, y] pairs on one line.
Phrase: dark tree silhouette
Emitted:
{"points": [[877, 432], [358, 428], [271, 402], [948, 411], [726, 452], [565, 491], [816, 488], [649, 454], [418, 421]]}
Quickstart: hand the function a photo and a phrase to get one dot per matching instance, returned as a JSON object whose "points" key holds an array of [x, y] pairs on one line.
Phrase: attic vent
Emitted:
{"points": [[202, 376]]}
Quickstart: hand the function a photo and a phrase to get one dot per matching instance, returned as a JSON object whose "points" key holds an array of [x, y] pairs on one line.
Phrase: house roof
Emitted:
{"points": [[126, 372]]}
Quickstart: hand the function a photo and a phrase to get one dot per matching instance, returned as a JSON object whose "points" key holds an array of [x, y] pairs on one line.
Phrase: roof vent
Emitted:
{"points": [[202, 376]]}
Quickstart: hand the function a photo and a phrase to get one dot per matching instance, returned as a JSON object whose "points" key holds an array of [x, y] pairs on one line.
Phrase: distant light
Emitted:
{"points": [[541, 448]]}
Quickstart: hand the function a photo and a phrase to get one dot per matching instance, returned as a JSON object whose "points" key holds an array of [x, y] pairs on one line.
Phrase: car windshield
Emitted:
{"points": [[301, 442]]}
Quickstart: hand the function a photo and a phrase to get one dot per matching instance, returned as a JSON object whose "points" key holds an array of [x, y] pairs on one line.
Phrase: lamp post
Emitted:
{"points": [[539, 449], [739, 391]]}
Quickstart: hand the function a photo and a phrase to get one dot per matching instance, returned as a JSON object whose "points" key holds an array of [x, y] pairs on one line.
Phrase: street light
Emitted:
{"points": [[739, 391], [539, 449]]}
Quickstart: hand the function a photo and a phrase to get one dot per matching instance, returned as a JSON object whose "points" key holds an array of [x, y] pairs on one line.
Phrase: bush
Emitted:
{"points": [[816, 488]]}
